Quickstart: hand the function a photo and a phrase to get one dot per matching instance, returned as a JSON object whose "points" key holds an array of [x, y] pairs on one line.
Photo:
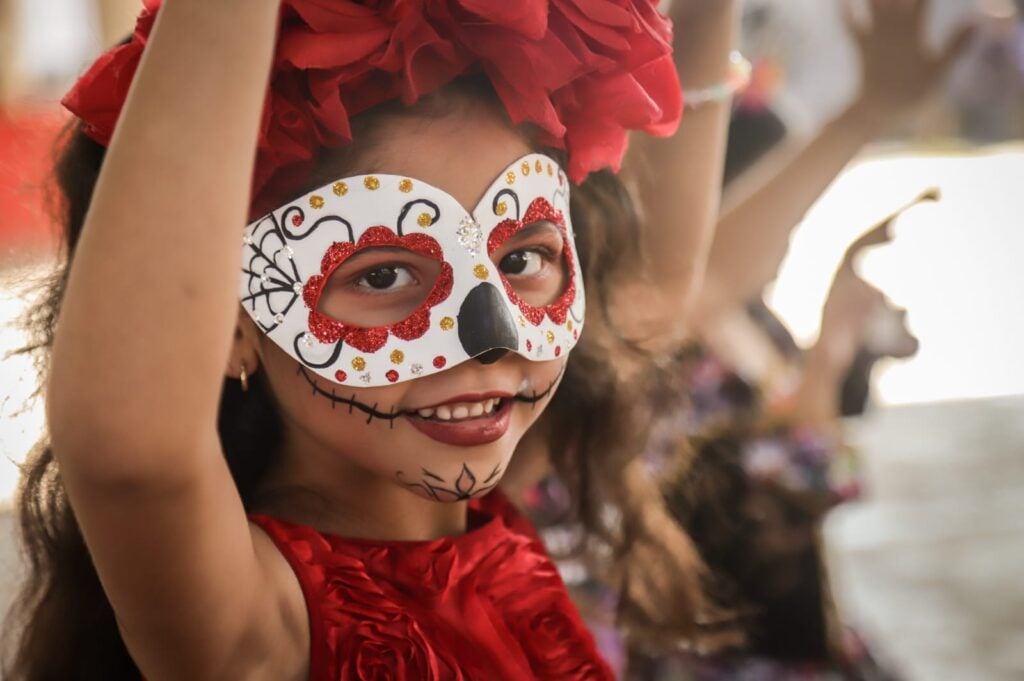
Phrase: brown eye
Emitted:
{"points": [[378, 287], [383, 278], [524, 263]]}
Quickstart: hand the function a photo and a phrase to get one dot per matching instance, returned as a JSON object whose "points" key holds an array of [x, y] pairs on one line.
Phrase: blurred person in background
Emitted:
{"points": [[769, 456], [988, 85], [766, 445]]}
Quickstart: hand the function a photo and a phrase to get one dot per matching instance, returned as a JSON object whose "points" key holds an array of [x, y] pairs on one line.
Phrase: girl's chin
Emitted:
{"points": [[468, 483]]}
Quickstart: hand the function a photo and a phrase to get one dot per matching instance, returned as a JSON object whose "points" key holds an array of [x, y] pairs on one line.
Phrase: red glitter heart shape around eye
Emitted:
{"points": [[328, 330], [539, 209]]}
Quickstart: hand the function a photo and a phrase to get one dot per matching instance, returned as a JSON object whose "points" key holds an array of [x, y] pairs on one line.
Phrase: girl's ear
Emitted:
{"points": [[245, 349]]}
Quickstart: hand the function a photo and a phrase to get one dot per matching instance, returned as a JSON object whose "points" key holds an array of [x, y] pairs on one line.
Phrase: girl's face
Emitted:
{"points": [[456, 430]]}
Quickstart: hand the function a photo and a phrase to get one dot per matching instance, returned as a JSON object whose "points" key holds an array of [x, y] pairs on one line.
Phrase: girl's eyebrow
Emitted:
{"points": [[534, 229]]}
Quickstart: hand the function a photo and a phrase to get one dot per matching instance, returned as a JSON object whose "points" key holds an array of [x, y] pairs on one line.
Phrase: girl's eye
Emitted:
{"points": [[386, 278], [523, 263]]}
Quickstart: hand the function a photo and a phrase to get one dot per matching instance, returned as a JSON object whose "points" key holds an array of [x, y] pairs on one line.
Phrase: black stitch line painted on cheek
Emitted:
{"points": [[352, 402], [390, 416]]}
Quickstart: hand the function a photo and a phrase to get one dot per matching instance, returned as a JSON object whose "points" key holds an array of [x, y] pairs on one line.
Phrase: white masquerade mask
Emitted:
{"points": [[471, 311]]}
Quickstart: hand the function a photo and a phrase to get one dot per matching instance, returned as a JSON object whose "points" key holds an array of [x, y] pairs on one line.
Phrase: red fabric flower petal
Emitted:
{"points": [[583, 71]]}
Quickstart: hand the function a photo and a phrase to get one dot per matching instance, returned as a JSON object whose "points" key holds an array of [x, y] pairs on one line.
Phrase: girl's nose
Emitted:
{"points": [[486, 328]]}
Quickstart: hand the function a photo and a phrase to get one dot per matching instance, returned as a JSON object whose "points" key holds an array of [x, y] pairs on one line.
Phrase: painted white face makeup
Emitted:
{"points": [[379, 279]]}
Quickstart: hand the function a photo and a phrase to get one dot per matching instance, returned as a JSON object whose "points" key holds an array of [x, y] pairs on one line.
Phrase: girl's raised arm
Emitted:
{"points": [[140, 352], [679, 179]]}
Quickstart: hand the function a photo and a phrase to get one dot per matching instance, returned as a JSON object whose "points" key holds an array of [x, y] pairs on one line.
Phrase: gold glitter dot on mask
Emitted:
{"points": [[510, 177], [371, 182], [539, 167], [501, 208], [522, 322], [551, 169], [340, 189], [316, 202], [525, 167], [551, 336], [481, 272], [568, 325], [424, 219], [405, 186], [397, 357], [447, 324], [358, 363]]}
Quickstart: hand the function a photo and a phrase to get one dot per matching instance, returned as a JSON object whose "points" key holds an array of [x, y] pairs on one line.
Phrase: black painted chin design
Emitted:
{"points": [[373, 413], [465, 487]]}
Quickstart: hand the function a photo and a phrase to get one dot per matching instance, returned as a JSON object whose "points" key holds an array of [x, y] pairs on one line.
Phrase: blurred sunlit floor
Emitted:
{"points": [[928, 567]]}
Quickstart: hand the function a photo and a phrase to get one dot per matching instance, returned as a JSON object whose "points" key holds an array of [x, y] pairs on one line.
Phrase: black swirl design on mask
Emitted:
{"points": [[293, 220], [497, 200], [435, 213]]}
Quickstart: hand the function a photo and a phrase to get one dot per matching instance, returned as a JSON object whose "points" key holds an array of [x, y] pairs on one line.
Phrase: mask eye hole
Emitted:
{"points": [[378, 287], [533, 262]]}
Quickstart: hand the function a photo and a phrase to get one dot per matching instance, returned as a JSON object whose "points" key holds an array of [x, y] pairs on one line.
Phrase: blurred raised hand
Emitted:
{"points": [[764, 205], [851, 314], [899, 67]]}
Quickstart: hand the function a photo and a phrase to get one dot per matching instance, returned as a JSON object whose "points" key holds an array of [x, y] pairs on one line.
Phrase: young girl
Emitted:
{"points": [[411, 293]]}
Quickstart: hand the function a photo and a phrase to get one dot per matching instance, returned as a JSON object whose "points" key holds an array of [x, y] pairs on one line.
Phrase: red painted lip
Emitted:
{"points": [[469, 433], [471, 397]]}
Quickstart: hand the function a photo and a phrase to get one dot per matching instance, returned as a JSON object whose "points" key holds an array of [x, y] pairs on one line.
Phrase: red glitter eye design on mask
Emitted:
{"points": [[539, 210], [369, 340]]}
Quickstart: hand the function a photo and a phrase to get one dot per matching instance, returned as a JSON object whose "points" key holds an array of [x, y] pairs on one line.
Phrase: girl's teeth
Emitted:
{"points": [[458, 412]]}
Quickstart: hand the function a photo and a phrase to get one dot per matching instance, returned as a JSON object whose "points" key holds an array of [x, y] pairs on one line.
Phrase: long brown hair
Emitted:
{"points": [[61, 625]]}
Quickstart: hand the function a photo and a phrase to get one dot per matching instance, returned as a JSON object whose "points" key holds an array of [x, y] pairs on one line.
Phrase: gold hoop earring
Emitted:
{"points": [[243, 377]]}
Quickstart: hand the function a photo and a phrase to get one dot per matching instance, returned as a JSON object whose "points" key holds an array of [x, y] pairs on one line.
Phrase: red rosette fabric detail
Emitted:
{"points": [[585, 72], [488, 604], [328, 330]]}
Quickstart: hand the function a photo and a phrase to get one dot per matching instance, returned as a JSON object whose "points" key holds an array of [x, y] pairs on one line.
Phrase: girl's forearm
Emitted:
{"points": [[680, 178], [145, 327], [752, 237], [761, 213]]}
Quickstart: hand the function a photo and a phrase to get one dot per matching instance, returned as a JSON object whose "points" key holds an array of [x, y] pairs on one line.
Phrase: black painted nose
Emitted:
{"points": [[491, 356], [486, 328]]}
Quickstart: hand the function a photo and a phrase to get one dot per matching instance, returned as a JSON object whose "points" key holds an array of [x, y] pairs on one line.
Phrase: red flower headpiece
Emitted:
{"points": [[583, 71]]}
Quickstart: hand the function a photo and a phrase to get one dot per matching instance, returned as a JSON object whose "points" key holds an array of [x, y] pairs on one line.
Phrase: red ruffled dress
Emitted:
{"points": [[488, 605]]}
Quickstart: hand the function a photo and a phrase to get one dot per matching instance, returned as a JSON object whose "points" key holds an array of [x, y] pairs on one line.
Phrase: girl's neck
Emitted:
{"points": [[397, 519], [341, 498]]}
